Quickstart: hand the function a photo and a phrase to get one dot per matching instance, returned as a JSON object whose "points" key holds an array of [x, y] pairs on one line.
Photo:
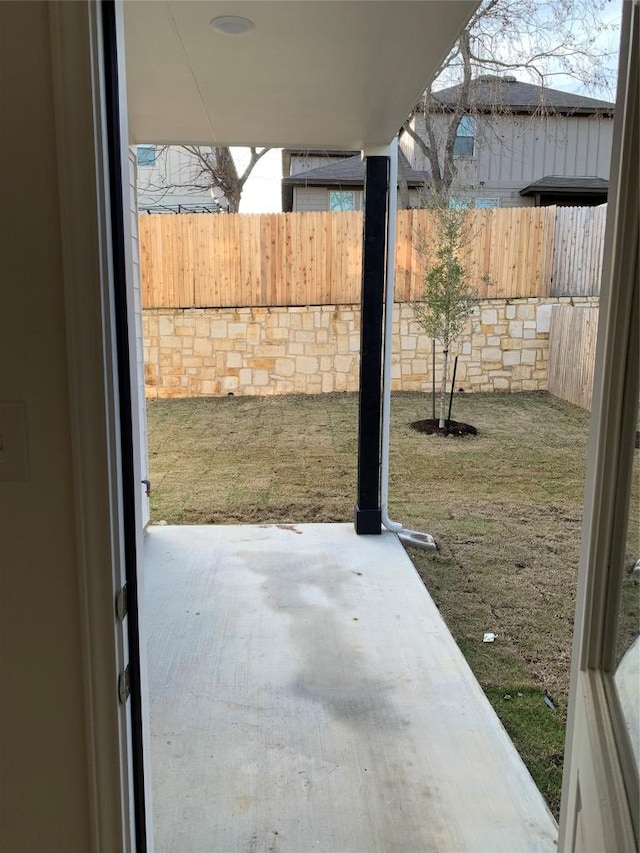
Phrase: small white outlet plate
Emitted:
{"points": [[14, 463]]}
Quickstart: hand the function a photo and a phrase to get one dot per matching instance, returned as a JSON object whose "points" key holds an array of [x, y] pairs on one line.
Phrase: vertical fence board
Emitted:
{"points": [[325, 261], [546, 250], [401, 283], [572, 349]]}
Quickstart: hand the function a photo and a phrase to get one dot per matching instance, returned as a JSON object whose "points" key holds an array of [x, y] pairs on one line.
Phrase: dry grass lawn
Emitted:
{"points": [[505, 508]]}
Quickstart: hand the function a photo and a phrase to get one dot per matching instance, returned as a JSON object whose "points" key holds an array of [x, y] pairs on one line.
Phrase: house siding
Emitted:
{"points": [[407, 145], [173, 166], [317, 198], [310, 198], [513, 152]]}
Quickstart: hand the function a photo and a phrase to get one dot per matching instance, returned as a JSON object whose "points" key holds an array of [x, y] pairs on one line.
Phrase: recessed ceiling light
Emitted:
{"points": [[232, 25]]}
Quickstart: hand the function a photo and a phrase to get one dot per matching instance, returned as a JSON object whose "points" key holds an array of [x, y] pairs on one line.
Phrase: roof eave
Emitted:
{"points": [[320, 152], [413, 183], [538, 109], [534, 190]]}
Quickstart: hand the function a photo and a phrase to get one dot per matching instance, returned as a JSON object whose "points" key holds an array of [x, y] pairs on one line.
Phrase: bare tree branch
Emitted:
{"points": [[542, 39], [207, 169]]}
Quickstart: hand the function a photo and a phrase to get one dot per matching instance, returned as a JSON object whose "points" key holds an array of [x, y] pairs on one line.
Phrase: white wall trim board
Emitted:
{"points": [[81, 153], [594, 770]]}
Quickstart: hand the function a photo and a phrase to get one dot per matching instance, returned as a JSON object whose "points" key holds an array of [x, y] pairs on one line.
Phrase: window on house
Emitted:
{"points": [[465, 135], [460, 203], [146, 155], [342, 200]]}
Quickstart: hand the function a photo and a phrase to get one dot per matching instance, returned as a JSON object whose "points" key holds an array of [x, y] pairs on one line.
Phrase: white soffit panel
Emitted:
{"points": [[311, 73]]}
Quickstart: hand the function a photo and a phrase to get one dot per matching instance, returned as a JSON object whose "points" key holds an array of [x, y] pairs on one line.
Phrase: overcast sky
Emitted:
{"points": [[262, 193], [262, 190]]}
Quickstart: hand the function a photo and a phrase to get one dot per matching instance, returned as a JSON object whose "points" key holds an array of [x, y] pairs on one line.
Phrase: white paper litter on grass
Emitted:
{"points": [[488, 637]]}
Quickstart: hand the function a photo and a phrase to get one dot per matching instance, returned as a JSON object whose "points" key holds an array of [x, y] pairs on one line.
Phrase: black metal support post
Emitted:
{"points": [[368, 516]]}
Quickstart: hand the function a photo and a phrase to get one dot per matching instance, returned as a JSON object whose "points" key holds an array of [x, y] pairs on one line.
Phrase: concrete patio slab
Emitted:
{"points": [[307, 695]]}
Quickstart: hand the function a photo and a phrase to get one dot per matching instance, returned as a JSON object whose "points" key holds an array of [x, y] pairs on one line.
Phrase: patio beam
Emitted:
{"points": [[368, 515]]}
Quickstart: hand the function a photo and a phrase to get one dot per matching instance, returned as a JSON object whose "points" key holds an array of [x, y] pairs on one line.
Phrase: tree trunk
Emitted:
{"points": [[443, 388], [233, 200], [403, 191], [217, 168]]}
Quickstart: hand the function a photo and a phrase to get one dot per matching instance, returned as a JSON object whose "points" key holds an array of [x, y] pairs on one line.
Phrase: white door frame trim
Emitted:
{"points": [[594, 725], [79, 109]]}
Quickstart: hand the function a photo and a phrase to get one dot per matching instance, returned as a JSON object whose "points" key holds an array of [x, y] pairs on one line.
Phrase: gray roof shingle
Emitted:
{"points": [[558, 183], [491, 92], [350, 172]]}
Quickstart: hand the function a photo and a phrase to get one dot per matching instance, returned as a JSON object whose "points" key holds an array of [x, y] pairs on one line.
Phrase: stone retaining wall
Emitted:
{"points": [[311, 350]]}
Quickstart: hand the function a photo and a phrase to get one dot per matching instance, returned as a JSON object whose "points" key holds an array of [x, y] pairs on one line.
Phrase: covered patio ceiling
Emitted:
{"points": [[311, 73]]}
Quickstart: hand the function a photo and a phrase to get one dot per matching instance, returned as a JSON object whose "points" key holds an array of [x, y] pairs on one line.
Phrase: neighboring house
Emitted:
{"points": [[521, 144], [169, 181], [334, 180]]}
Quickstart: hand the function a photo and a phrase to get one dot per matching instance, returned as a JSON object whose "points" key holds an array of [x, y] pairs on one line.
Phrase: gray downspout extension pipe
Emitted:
{"points": [[410, 537]]}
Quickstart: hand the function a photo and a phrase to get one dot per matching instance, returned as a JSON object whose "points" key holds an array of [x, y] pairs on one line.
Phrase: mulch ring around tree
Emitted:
{"points": [[451, 428]]}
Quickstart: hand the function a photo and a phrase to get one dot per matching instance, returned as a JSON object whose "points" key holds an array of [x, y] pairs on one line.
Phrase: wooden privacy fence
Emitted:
{"points": [[572, 353], [236, 260], [578, 245], [205, 261]]}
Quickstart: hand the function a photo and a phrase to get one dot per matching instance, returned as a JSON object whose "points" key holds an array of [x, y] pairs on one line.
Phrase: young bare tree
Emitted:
{"points": [[205, 169], [540, 40], [448, 296]]}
